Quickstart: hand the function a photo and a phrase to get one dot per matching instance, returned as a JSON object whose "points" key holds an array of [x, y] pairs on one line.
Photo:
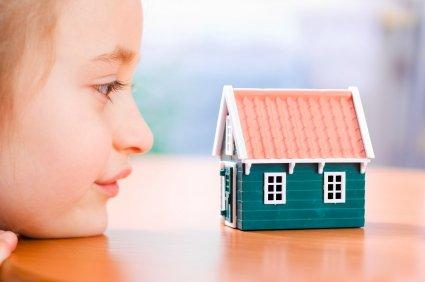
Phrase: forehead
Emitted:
{"points": [[89, 29]]}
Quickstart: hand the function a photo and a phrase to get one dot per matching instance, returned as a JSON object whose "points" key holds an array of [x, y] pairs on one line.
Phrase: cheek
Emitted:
{"points": [[66, 148], [48, 172], [72, 156]]}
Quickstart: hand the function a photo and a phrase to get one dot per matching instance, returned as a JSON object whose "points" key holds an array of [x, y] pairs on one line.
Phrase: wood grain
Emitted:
{"points": [[165, 226]]}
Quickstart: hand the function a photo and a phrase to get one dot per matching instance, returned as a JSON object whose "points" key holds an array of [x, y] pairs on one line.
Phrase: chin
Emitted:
{"points": [[90, 224]]}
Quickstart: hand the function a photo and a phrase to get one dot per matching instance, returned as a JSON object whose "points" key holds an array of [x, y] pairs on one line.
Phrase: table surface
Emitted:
{"points": [[164, 226]]}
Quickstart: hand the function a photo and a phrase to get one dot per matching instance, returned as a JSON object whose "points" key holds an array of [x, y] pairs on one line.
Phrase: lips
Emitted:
{"points": [[110, 190], [110, 186]]}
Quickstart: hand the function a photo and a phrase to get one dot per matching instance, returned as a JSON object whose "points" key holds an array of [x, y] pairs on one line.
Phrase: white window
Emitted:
{"points": [[334, 187], [274, 188], [229, 137]]}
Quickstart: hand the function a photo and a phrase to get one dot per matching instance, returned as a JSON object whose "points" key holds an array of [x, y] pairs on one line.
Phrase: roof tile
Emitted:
{"points": [[299, 124]]}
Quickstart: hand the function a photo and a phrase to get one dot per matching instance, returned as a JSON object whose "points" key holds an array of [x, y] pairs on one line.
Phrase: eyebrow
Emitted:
{"points": [[119, 55]]}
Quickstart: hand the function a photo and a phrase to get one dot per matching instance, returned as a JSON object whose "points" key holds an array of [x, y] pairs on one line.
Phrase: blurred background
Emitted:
{"points": [[191, 48]]}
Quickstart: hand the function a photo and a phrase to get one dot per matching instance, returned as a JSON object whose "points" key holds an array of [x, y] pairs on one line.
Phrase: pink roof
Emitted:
{"points": [[286, 124]]}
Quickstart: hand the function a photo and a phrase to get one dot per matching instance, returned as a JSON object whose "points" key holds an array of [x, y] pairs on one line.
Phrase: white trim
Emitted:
{"points": [[315, 160], [228, 106], [248, 168], [362, 122], [292, 162], [274, 192], [228, 137], [334, 182], [228, 163], [222, 189], [234, 213], [222, 192], [291, 167], [363, 167], [219, 131], [229, 95], [320, 167]]}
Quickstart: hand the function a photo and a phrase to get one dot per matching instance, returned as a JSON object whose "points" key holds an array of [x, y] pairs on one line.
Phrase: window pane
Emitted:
{"points": [[270, 188], [270, 197], [279, 188], [279, 197], [338, 178], [270, 179], [338, 187], [330, 178], [279, 179], [330, 187], [338, 196], [330, 196]]}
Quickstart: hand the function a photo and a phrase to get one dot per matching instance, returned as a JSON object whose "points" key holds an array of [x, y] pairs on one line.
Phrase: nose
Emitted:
{"points": [[132, 135]]}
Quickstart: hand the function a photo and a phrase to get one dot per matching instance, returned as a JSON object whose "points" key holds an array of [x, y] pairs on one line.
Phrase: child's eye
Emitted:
{"points": [[107, 88]]}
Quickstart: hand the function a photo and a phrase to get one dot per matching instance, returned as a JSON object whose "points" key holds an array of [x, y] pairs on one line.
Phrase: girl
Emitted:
{"points": [[68, 122]]}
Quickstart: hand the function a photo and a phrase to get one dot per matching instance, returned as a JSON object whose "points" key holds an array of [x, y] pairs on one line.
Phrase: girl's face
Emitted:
{"points": [[70, 136]]}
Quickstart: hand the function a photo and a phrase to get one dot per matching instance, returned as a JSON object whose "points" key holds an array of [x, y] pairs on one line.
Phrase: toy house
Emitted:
{"points": [[292, 158]]}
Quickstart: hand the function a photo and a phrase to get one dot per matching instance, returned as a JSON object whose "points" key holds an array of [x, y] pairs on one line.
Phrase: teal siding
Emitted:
{"points": [[304, 206]]}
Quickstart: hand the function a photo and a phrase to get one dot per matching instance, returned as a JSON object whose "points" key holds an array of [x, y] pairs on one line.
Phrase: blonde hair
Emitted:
{"points": [[27, 30]]}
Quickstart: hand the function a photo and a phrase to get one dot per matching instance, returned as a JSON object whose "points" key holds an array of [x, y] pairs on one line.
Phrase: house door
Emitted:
{"points": [[227, 194]]}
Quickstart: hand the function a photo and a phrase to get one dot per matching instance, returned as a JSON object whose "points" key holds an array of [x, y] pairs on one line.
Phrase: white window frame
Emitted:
{"points": [[274, 192], [334, 184], [223, 184], [229, 147]]}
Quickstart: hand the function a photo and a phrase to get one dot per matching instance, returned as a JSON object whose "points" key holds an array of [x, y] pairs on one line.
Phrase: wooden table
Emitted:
{"points": [[164, 226]]}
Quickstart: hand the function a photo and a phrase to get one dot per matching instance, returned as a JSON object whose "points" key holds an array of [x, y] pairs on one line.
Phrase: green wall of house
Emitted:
{"points": [[304, 206]]}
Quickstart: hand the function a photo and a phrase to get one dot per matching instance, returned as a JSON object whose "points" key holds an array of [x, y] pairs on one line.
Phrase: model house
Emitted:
{"points": [[292, 158]]}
